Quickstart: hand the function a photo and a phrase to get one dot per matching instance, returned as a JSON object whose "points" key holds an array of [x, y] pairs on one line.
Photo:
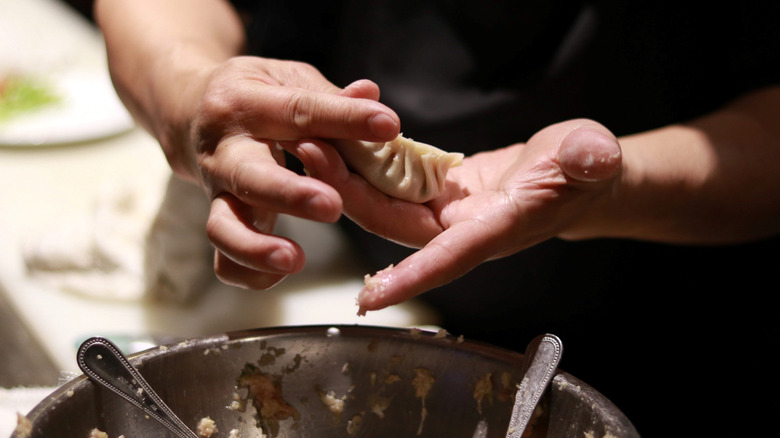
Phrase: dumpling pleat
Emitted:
{"points": [[402, 168]]}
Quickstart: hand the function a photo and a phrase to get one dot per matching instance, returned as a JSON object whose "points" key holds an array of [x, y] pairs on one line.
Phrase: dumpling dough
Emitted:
{"points": [[402, 168]]}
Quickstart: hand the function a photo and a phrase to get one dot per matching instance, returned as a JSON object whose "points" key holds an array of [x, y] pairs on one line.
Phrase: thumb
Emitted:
{"points": [[590, 153]]}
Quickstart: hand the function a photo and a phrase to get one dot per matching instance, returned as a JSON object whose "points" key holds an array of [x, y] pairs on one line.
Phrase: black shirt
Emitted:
{"points": [[651, 326]]}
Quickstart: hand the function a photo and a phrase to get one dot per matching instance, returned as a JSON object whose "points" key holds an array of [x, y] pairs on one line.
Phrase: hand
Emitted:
{"points": [[228, 140], [496, 204]]}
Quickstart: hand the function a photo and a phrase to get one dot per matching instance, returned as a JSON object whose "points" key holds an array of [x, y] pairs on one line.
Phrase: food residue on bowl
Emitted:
{"points": [[379, 405], [97, 433], [207, 427], [236, 404], [508, 388], [265, 392], [392, 378], [354, 424], [483, 389], [422, 382], [334, 404]]}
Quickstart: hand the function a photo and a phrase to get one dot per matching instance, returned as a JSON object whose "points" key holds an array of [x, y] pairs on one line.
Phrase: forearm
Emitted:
{"points": [[156, 49], [713, 180]]}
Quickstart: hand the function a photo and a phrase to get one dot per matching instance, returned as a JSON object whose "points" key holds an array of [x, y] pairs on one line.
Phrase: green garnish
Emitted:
{"points": [[19, 95]]}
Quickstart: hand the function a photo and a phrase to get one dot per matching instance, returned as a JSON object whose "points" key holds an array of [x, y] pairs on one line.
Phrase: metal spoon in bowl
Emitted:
{"points": [[541, 360], [106, 365]]}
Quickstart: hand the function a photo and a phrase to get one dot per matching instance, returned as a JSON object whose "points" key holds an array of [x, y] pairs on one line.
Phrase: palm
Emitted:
{"points": [[501, 189], [495, 204]]}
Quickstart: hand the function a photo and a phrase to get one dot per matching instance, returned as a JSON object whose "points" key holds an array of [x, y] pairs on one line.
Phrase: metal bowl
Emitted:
{"points": [[291, 381]]}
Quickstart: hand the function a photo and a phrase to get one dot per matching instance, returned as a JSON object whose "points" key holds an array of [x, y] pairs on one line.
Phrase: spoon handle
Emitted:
{"points": [[106, 365], [541, 360]]}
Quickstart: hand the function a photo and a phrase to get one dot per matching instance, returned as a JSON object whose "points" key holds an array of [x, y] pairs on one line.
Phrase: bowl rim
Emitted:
{"points": [[562, 380]]}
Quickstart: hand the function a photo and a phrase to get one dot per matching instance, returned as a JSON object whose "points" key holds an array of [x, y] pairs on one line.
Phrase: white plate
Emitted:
{"points": [[89, 109]]}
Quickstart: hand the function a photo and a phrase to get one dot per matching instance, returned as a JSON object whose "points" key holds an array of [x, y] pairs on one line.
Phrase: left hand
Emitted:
{"points": [[496, 204]]}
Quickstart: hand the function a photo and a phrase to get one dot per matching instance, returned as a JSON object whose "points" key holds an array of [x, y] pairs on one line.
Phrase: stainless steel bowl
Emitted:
{"points": [[378, 373]]}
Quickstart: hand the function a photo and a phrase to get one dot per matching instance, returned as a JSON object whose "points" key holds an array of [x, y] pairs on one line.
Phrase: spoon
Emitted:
{"points": [[106, 365], [541, 360]]}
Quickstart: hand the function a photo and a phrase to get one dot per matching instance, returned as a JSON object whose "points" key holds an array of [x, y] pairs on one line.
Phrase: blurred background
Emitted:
{"points": [[97, 238]]}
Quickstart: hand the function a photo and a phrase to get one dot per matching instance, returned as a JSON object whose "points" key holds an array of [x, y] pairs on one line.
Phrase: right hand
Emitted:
{"points": [[230, 122]]}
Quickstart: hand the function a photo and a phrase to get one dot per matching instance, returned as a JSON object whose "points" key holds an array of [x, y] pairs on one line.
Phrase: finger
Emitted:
{"points": [[247, 169], [230, 230], [362, 89], [364, 204], [450, 255], [590, 153], [289, 113], [307, 77]]}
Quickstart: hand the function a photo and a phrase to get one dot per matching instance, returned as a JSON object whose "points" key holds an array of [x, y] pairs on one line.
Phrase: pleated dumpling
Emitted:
{"points": [[402, 168]]}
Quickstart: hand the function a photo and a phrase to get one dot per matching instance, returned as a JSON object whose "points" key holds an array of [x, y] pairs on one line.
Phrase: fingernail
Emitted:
{"points": [[383, 126], [321, 208], [281, 259]]}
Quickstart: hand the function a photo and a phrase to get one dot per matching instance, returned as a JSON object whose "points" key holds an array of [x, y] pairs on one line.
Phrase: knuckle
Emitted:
{"points": [[298, 112], [212, 120], [238, 176], [218, 103]]}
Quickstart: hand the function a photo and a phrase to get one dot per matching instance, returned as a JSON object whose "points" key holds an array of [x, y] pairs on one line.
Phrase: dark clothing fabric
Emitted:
{"points": [[468, 76], [673, 335]]}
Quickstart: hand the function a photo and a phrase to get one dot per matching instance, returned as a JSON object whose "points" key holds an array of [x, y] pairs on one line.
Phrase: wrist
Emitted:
{"points": [[173, 99]]}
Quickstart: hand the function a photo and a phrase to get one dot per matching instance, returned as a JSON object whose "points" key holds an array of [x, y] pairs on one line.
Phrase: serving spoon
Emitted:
{"points": [[105, 364], [541, 360]]}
